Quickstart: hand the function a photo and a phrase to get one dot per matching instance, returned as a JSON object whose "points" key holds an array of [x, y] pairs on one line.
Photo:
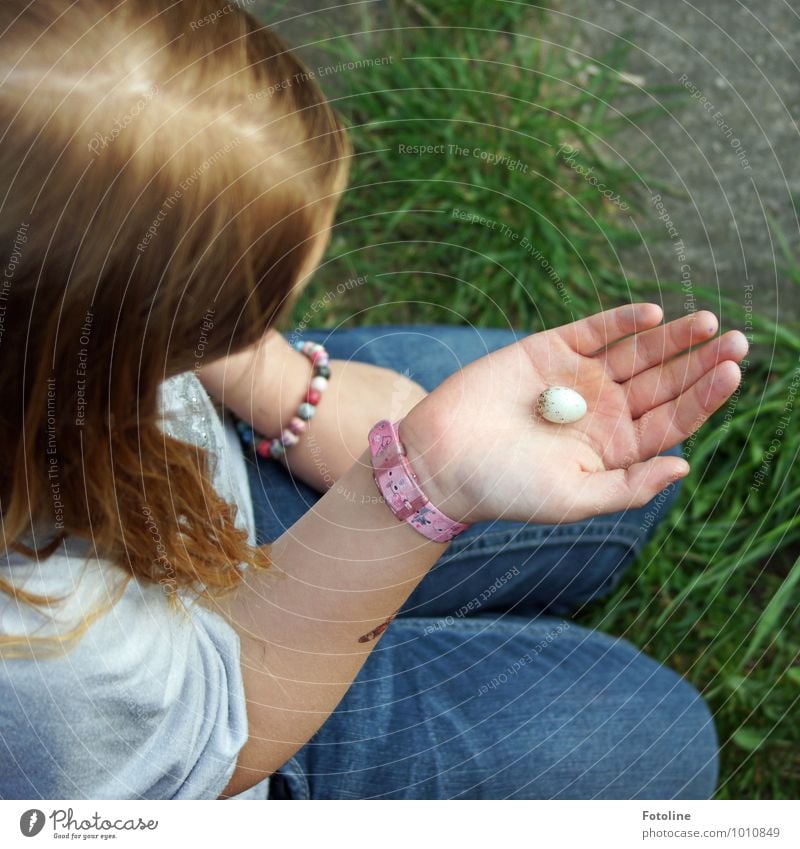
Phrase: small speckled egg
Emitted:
{"points": [[561, 405]]}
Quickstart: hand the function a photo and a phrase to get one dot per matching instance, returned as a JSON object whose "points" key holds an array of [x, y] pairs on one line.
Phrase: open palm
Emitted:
{"points": [[483, 452]]}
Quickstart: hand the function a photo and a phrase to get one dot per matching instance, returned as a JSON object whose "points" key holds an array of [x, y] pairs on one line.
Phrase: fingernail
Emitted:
{"points": [[682, 471]]}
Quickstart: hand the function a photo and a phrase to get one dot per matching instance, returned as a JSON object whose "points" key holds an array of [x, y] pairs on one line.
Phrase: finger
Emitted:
{"points": [[660, 384], [645, 350], [622, 489], [668, 424], [589, 335]]}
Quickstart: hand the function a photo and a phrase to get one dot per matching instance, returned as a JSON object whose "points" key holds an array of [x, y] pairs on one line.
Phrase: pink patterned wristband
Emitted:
{"points": [[400, 489]]}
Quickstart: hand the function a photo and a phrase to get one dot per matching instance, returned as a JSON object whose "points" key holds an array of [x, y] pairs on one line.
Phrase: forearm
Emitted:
{"points": [[265, 384], [262, 384], [358, 395], [307, 625]]}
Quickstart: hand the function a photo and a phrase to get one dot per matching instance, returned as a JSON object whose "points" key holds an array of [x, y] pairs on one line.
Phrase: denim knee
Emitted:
{"points": [[679, 753], [702, 770]]}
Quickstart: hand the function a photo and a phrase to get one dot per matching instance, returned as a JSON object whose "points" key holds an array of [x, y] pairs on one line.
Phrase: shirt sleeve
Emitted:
{"points": [[149, 704]]}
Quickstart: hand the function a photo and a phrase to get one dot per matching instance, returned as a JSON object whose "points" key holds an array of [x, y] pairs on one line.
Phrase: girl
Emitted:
{"points": [[184, 619]]}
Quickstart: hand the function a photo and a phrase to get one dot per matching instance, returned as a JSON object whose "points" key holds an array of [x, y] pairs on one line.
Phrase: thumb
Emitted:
{"points": [[621, 489]]}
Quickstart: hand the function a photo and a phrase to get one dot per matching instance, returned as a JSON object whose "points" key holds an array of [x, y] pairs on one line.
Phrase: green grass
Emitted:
{"points": [[716, 592]]}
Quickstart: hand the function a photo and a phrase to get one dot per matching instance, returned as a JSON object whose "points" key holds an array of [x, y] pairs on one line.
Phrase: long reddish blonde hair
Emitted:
{"points": [[166, 171]]}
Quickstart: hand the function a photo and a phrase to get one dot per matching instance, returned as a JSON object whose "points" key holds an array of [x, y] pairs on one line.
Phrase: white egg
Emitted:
{"points": [[561, 405]]}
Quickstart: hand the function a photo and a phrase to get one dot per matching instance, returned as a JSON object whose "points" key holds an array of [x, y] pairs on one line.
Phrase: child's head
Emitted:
{"points": [[168, 171]]}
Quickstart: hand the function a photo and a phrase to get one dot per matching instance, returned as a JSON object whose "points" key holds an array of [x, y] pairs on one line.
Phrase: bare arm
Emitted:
{"points": [[308, 624], [264, 384]]}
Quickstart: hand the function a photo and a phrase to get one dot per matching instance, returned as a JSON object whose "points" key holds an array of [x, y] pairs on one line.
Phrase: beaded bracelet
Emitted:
{"points": [[276, 448]]}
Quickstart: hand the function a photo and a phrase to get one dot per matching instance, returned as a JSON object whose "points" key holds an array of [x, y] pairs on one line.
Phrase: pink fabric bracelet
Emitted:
{"points": [[400, 489]]}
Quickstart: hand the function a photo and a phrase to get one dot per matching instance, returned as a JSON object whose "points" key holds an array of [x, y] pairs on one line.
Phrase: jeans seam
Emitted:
{"points": [[491, 543], [295, 771], [510, 623]]}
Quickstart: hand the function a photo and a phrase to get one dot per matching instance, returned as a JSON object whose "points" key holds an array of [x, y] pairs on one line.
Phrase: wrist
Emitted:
{"points": [[419, 458], [419, 485], [280, 391], [297, 424]]}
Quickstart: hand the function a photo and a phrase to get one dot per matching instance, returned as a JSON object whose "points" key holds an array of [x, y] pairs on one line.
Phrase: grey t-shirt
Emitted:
{"points": [[150, 702]]}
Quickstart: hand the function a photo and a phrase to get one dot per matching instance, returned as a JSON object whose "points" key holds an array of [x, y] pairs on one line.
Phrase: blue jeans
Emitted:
{"points": [[484, 687]]}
